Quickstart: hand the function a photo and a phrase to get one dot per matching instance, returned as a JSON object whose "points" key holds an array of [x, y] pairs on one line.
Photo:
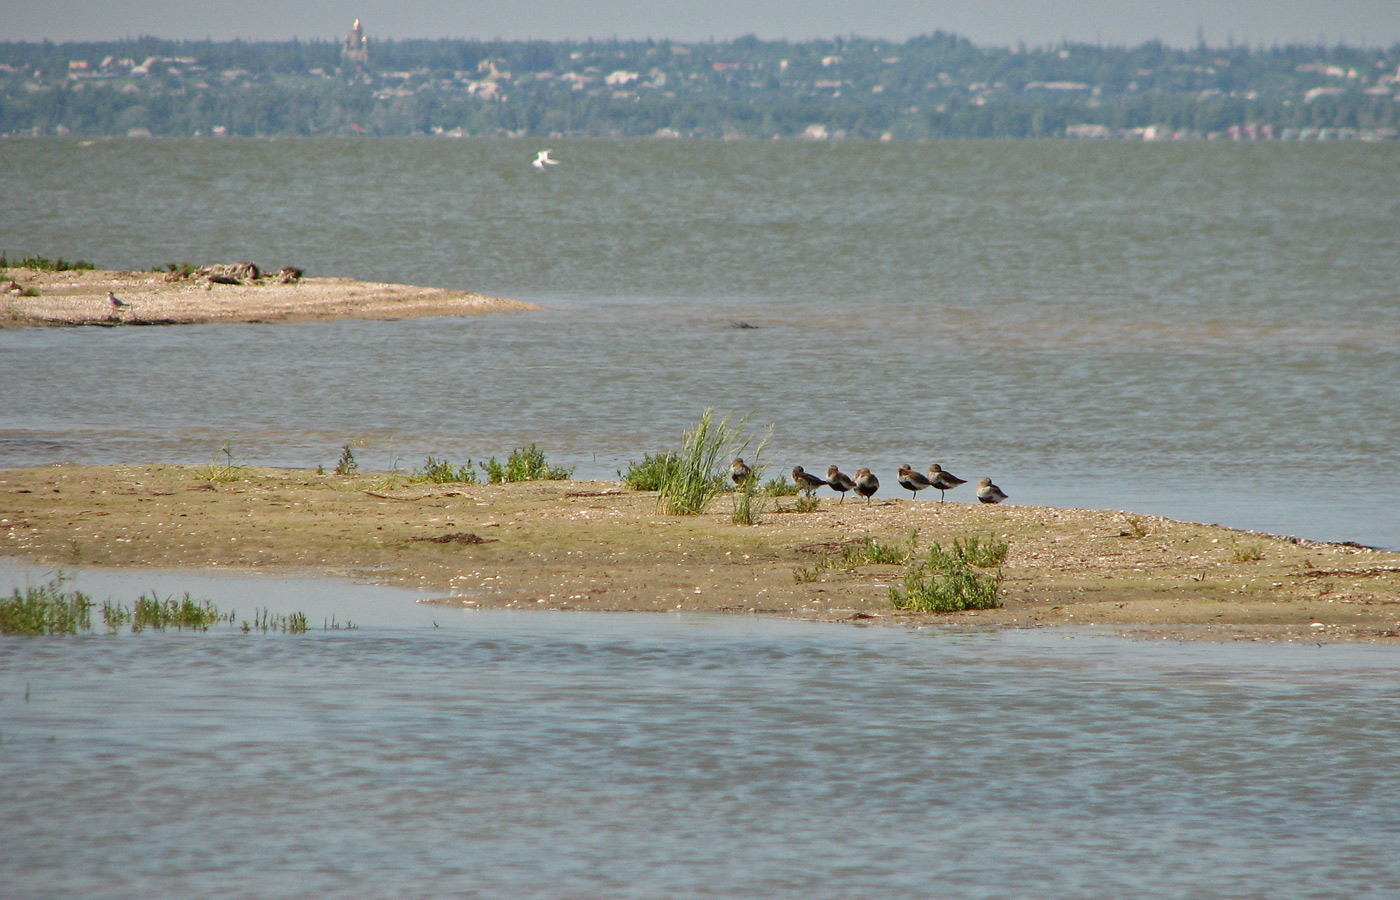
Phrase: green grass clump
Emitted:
{"points": [[689, 487], [346, 465], [780, 487], [974, 550], [651, 472], [266, 622], [48, 265], [1246, 553], [158, 615], [222, 468], [871, 552], [47, 609], [440, 471], [524, 464], [946, 581]]}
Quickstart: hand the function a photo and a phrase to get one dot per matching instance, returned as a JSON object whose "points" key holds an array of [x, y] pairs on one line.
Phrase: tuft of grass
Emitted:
{"points": [[223, 471], [871, 552], [524, 464], [805, 504], [47, 609], [651, 472], [1246, 553], [689, 487], [440, 471], [346, 465], [47, 265], [158, 615], [780, 487], [946, 581], [266, 622]]}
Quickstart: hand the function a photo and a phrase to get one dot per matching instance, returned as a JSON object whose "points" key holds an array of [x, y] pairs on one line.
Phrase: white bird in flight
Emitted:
{"points": [[543, 160]]}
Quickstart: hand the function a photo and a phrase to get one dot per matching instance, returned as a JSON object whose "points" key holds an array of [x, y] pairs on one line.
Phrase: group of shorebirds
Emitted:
{"points": [[866, 484]]}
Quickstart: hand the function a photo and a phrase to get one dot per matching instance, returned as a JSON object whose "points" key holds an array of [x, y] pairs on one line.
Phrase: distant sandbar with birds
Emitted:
{"points": [[222, 293]]}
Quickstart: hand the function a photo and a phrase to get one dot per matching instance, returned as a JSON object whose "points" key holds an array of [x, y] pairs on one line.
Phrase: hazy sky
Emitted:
{"points": [[1001, 22]]}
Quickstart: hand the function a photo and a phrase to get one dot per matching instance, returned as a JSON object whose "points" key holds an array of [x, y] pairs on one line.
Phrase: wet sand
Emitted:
{"points": [[80, 298], [599, 546]]}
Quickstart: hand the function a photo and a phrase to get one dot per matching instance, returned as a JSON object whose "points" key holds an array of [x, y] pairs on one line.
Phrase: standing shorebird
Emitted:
{"points": [[543, 160], [740, 471], [944, 481], [839, 481], [866, 484], [912, 481], [806, 480], [117, 302], [990, 493]]}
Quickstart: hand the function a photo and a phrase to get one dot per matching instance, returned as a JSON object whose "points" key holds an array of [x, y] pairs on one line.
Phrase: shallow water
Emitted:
{"points": [[619, 756], [1203, 331]]}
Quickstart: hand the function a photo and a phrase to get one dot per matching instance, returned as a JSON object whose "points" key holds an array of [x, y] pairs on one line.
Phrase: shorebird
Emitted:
{"points": [[988, 492], [944, 481], [866, 484], [805, 480], [739, 471], [117, 302], [912, 481], [839, 481], [543, 160]]}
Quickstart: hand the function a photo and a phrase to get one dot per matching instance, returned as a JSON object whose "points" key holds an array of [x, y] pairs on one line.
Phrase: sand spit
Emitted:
{"points": [[80, 298], [598, 546]]}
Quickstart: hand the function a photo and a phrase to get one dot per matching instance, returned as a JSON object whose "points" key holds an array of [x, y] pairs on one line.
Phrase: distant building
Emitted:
{"points": [[355, 51]]}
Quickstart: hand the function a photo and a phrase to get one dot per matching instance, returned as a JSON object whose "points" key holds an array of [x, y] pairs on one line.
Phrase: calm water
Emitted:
{"points": [[630, 756], [1202, 331]]}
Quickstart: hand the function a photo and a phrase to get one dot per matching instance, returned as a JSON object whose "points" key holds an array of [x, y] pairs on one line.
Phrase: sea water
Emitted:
{"points": [[1205, 331], [433, 752]]}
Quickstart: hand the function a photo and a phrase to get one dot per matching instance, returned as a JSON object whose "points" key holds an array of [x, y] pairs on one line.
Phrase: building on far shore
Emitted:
{"points": [[355, 50]]}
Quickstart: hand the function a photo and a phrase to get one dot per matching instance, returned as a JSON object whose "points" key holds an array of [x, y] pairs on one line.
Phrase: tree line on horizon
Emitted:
{"points": [[929, 87]]}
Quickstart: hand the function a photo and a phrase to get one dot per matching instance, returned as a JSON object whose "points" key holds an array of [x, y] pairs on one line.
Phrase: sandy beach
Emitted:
{"points": [[74, 298], [600, 546]]}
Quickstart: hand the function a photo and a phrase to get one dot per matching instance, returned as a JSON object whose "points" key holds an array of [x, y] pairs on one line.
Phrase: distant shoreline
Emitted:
{"points": [[599, 546], [79, 298]]}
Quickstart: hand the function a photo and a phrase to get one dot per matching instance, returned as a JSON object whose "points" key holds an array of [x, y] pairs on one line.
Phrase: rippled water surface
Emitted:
{"points": [[1202, 331], [474, 754]]}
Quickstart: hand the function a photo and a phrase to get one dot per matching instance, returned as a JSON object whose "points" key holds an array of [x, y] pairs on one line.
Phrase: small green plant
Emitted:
{"points": [[872, 552], [805, 504], [346, 465], [1246, 553], [158, 615], [651, 472], [780, 487], [440, 471], [524, 464], [222, 468], [749, 505], [180, 270], [932, 591], [47, 609], [266, 621], [946, 581], [48, 265]]}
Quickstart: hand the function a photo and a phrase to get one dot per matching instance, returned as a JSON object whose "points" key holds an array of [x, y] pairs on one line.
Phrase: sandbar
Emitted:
{"points": [[600, 546], [79, 298]]}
